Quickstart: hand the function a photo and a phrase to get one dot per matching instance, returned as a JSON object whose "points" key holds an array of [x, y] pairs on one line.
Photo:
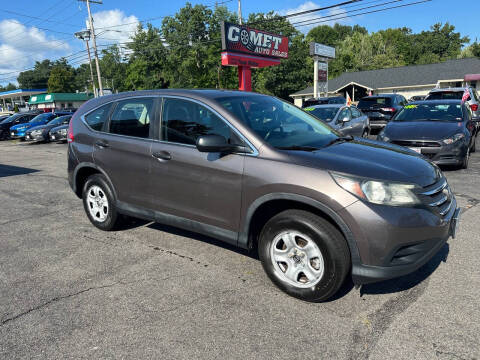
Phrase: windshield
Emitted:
{"points": [[326, 114], [41, 117], [446, 95], [279, 123], [10, 118], [59, 120], [375, 102], [430, 112]]}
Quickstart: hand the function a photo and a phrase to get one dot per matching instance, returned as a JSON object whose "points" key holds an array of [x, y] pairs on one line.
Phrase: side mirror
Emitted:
{"points": [[217, 143], [345, 119]]}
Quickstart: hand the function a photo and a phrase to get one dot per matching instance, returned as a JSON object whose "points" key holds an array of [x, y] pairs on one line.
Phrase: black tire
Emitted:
{"points": [[113, 218], [465, 159], [365, 134], [330, 242], [474, 145]]}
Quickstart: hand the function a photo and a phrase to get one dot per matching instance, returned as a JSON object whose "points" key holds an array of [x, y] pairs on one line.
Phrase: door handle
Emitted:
{"points": [[101, 144], [162, 155]]}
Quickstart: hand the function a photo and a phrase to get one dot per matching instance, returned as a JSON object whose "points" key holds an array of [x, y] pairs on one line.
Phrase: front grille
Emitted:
{"points": [[429, 155], [417, 143], [438, 196]]}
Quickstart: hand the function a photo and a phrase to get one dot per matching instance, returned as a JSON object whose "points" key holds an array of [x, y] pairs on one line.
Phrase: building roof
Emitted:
{"points": [[21, 92], [414, 75], [55, 97]]}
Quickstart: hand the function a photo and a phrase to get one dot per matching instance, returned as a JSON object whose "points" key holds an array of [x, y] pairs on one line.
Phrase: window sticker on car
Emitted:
{"points": [[309, 109], [411, 106]]}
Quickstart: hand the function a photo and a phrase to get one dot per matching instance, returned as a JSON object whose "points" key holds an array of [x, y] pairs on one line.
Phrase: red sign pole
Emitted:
{"points": [[244, 78]]}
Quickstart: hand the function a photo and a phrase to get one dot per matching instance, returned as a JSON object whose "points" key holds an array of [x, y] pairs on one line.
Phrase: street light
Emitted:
{"points": [[85, 35]]}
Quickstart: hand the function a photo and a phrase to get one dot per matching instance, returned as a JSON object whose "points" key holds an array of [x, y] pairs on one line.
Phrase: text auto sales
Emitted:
{"points": [[263, 42]]}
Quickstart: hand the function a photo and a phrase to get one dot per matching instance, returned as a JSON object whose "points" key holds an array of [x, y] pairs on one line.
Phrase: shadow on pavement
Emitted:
{"points": [[408, 281], [9, 170]]}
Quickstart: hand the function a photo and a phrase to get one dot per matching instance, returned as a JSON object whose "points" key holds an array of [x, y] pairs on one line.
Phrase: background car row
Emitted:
{"points": [[443, 126], [35, 126]]}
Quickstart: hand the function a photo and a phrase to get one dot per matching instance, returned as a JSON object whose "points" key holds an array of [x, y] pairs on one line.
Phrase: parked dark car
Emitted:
{"points": [[347, 120], [381, 108], [41, 132], [19, 131], [59, 133], [441, 130], [258, 172], [19, 118], [456, 94], [325, 100]]}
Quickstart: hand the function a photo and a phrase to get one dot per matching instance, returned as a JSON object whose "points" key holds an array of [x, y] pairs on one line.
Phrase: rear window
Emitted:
{"points": [[375, 102], [325, 114], [445, 95], [430, 112]]}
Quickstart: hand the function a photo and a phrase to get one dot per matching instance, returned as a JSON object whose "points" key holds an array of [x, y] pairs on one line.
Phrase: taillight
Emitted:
{"points": [[474, 107], [388, 109], [70, 132]]}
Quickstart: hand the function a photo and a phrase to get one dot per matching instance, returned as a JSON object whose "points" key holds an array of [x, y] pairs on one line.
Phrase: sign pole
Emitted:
{"points": [[326, 83], [315, 77]]}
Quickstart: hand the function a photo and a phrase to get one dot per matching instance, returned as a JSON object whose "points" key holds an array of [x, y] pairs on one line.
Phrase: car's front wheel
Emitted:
{"points": [[99, 203], [304, 255]]}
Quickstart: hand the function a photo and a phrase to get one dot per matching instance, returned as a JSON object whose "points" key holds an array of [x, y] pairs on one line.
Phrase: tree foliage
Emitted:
{"points": [[62, 78]]}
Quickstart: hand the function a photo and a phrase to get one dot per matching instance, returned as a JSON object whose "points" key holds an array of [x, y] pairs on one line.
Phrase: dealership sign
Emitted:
{"points": [[242, 39], [321, 50]]}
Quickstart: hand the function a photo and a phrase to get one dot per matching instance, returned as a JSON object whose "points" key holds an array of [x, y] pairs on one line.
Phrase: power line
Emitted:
{"points": [[364, 13]]}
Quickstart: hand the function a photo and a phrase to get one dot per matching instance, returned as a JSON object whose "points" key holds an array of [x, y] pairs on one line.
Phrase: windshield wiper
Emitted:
{"points": [[298, 147], [340, 139]]}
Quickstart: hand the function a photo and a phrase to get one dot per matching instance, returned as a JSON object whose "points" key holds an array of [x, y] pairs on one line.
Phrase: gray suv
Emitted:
{"points": [[260, 173]]}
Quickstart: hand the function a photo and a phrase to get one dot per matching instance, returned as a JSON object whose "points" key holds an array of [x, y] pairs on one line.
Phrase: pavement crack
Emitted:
{"points": [[54, 300]]}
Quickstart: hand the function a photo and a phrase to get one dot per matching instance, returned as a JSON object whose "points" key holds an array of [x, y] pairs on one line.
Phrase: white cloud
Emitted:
{"points": [[21, 46], [106, 24], [301, 21]]}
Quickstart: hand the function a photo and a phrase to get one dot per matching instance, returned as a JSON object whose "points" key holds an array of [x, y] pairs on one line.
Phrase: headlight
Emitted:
{"points": [[36, 132], [62, 131], [454, 138], [378, 192]]}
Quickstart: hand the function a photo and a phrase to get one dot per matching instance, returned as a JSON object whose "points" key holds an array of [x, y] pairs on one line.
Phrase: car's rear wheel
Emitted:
{"points": [[474, 145], [365, 134], [304, 255], [99, 203]]}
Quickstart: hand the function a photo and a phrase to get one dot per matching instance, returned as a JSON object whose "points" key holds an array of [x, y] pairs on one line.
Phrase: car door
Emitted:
{"points": [[201, 187], [122, 148], [346, 128], [358, 122]]}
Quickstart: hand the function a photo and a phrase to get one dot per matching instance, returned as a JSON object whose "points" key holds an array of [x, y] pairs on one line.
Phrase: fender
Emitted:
{"points": [[243, 240], [100, 170]]}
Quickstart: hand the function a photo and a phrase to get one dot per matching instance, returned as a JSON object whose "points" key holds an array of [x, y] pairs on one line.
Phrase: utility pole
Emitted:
{"points": [[240, 12], [92, 31], [85, 35]]}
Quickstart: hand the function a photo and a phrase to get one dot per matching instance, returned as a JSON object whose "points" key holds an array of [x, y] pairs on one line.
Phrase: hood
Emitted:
{"points": [[39, 127], [371, 159], [417, 130], [22, 125], [57, 128]]}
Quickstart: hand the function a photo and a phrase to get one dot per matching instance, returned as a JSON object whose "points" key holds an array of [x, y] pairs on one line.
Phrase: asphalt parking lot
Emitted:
{"points": [[68, 290]]}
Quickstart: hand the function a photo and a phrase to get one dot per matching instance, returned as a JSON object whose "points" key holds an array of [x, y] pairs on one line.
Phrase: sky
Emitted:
{"points": [[33, 30]]}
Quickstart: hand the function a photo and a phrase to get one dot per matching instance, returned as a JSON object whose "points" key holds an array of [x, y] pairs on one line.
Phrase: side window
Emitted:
{"points": [[344, 113], [355, 112], [184, 121], [132, 117], [97, 118]]}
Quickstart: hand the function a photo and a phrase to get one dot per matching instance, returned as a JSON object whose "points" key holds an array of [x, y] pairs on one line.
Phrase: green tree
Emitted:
{"points": [[113, 68], [146, 66], [62, 77], [36, 78]]}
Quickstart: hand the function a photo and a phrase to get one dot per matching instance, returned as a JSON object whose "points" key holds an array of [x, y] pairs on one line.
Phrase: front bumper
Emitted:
{"points": [[17, 134], [57, 137], [395, 241], [35, 137]]}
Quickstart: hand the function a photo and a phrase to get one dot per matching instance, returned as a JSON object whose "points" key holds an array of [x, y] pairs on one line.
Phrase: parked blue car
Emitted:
{"points": [[18, 131]]}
